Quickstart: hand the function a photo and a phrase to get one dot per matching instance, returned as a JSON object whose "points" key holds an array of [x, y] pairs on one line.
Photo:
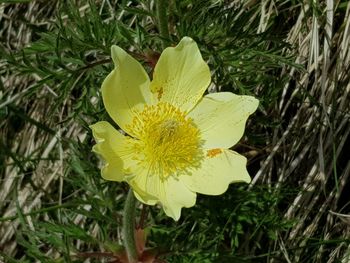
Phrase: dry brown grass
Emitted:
{"points": [[311, 149]]}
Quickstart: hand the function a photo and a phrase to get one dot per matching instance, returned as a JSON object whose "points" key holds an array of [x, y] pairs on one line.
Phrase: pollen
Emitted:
{"points": [[168, 142]]}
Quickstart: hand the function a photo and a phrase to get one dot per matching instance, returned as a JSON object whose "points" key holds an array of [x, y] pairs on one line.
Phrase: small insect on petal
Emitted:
{"points": [[213, 152]]}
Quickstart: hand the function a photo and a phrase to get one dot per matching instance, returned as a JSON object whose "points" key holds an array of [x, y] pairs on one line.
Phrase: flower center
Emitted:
{"points": [[168, 141]]}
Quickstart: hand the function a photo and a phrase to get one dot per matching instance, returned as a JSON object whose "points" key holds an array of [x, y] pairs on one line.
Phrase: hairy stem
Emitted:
{"points": [[161, 6], [129, 227]]}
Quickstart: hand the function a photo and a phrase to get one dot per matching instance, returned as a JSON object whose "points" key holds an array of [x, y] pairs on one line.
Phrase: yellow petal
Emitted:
{"points": [[181, 76], [142, 187], [221, 118], [112, 146], [125, 89], [144, 198], [170, 192], [218, 170]]}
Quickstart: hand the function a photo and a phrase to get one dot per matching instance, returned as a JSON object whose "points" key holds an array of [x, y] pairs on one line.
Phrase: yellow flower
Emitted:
{"points": [[177, 140]]}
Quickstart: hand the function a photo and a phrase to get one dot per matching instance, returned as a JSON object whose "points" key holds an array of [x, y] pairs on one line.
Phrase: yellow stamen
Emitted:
{"points": [[168, 141]]}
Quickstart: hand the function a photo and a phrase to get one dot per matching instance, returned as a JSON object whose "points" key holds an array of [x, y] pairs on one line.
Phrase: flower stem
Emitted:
{"points": [[163, 21], [129, 227]]}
